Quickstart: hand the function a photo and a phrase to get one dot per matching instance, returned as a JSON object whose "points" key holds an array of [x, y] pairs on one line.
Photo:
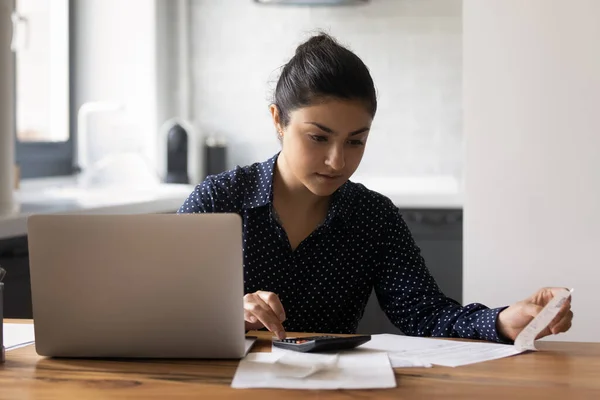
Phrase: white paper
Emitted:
{"points": [[415, 351], [396, 345], [454, 354], [525, 340], [347, 370], [17, 335], [402, 362], [297, 365]]}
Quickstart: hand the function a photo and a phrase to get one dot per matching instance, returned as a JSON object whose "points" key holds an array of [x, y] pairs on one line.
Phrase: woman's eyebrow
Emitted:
{"points": [[331, 131]]}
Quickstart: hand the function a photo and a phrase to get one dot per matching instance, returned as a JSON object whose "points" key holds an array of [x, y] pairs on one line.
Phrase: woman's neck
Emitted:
{"points": [[290, 191]]}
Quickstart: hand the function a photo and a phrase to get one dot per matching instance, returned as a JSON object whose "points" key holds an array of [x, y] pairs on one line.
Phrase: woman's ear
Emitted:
{"points": [[276, 119]]}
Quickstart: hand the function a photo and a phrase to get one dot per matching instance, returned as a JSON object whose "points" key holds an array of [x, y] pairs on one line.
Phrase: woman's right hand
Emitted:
{"points": [[263, 309]]}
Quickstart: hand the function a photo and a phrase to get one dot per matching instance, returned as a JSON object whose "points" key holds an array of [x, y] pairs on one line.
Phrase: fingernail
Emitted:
{"points": [[281, 335], [281, 317]]}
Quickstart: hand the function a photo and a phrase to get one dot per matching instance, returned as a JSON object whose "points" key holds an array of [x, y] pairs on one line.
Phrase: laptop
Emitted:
{"points": [[137, 286]]}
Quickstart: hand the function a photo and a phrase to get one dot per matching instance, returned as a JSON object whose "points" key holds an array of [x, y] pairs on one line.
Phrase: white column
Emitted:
{"points": [[6, 109], [532, 132]]}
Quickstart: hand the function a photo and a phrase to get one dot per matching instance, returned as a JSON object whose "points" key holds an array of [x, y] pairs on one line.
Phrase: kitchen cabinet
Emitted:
{"points": [[17, 289], [438, 233]]}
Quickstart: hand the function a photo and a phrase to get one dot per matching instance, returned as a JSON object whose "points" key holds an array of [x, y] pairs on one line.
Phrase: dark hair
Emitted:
{"points": [[320, 69]]}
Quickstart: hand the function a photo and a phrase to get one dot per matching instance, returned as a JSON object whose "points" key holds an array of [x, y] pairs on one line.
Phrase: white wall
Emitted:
{"points": [[413, 49], [532, 131]]}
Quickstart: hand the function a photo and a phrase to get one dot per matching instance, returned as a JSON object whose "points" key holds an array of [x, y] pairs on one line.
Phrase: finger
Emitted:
{"points": [[273, 301], [544, 295], [564, 324], [558, 290], [257, 307], [248, 316], [253, 327], [262, 313], [532, 309], [563, 317], [545, 332]]}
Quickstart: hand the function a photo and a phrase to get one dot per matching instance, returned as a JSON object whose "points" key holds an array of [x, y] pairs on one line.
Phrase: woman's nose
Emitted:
{"points": [[335, 158]]}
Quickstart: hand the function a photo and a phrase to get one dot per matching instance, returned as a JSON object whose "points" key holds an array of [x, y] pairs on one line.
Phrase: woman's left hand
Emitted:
{"points": [[515, 318]]}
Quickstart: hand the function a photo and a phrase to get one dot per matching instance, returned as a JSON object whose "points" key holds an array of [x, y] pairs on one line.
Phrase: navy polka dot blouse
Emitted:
{"points": [[324, 284]]}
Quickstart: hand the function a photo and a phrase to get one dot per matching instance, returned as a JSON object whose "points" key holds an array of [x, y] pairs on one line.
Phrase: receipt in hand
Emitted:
{"points": [[411, 351], [525, 340]]}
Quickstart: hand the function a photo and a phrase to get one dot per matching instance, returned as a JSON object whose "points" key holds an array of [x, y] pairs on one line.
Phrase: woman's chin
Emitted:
{"points": [[324, 187]]}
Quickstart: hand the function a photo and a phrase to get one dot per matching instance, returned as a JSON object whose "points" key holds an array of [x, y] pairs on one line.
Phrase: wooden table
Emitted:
{"points": [[567, 371]]}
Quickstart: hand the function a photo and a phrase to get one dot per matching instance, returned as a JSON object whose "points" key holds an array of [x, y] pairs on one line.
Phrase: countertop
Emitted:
{"points": [[434, 192], [162, 198], [66, 197]]}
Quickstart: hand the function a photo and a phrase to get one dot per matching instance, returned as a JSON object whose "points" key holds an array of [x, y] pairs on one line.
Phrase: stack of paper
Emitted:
{"points": [[293, 370]]}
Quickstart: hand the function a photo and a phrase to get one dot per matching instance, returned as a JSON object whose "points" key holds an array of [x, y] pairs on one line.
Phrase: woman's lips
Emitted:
{"points": [[328, 176]]}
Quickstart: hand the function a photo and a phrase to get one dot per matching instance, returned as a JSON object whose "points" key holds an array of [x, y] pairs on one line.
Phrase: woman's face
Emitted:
{"points": [[323, 144]]}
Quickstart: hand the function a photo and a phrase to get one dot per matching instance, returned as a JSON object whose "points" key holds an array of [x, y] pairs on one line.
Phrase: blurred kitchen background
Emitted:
{"points": [[121, 74], [125, 72], [101, 85], [413, 49]]}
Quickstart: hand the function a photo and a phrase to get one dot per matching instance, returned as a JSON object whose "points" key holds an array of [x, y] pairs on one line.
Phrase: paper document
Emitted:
{"points": [[405, 351], [409, 351], [287, 369], [17, 335], [298, 365]]}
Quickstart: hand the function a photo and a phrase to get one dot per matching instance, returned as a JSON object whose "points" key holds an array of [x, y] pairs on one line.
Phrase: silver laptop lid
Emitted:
{"points": [[137, 285]]}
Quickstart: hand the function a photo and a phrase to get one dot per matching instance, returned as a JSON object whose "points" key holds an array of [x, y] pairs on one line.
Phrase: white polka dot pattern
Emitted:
{"points": [[324, 285]]}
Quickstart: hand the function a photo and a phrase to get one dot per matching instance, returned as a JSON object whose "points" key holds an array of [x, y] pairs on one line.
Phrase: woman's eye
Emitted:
{"points": [[318, 138], [356, 142]]}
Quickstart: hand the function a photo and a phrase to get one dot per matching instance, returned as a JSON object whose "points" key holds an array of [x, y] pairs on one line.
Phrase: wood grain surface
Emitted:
{"points": [[561, 370]]}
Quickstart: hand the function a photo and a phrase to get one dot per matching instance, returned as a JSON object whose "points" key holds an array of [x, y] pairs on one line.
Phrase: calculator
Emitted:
{"points": [[315, 344]]}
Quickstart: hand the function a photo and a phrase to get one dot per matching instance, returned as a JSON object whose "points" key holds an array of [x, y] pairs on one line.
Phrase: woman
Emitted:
{"points": [[315, 243]]}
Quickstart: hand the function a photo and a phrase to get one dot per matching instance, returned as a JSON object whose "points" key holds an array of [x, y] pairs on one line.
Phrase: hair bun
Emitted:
{"points": [[322, 40], [322, 68]]}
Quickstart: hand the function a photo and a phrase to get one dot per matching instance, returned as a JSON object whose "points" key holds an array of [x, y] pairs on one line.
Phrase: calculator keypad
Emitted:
{"points": [[305, 339], [321, 343]]}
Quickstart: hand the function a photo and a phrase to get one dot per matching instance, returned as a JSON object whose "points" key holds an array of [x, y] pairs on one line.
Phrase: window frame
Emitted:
{"points": [[50, 159]]}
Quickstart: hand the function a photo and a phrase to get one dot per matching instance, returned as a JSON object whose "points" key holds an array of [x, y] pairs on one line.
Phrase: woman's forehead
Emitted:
{"points": [[350, 114]]}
